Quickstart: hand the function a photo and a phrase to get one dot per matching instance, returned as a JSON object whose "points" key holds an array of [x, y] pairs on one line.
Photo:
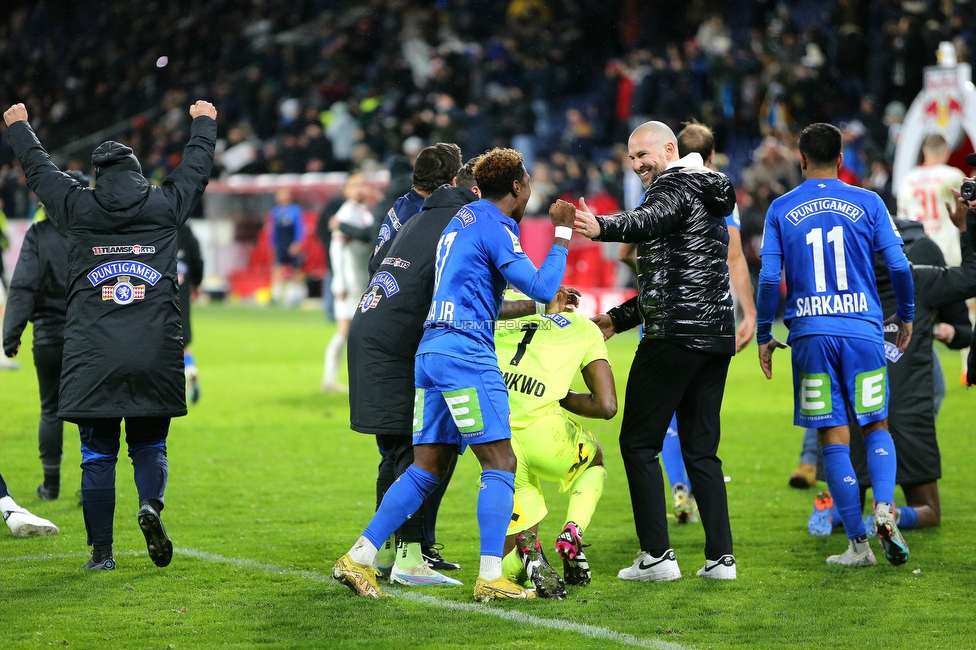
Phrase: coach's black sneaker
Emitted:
{"points": [[547, 582], [101, 559], [158, 544], [434, 560]]}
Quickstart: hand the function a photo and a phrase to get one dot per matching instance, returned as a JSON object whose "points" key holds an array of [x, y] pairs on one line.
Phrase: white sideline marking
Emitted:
{"points": [[591, 631]]}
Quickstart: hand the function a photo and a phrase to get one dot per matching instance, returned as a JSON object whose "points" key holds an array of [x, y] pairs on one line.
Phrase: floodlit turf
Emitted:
{"points": [[268, 487]]}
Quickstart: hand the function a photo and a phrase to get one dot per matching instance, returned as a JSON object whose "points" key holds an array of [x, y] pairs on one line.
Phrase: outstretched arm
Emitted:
{"points": [[52, 186], [567, 299], [184, 187], [506, 252]]}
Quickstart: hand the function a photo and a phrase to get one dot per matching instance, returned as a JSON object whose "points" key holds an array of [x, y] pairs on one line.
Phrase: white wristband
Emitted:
{"points": [[540, 307], [563, 232]]}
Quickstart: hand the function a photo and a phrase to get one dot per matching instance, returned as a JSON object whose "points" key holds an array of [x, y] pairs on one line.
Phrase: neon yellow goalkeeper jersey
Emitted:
{"points": [[539, 357]]}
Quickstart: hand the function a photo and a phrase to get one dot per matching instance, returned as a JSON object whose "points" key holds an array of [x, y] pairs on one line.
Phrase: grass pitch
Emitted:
{"points": [[268, 486]]}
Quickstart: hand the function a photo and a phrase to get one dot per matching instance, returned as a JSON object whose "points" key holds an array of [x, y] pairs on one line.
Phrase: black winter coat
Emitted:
{"points": [[123, 347], [386, 331], [682, 259], [189, 266], [37, 288], [911, 407]]}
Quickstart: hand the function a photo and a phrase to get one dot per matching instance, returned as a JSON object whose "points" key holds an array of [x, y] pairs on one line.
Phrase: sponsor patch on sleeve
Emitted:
{"points": [[386, 281], [560, 320], [516, 244], [466, 216]]}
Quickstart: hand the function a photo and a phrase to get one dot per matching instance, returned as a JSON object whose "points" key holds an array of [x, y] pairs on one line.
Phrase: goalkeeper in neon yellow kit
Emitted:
{"points": [[539, 357]]}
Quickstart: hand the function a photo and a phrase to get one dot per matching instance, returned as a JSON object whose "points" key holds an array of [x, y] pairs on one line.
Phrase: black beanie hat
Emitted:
{"points": [[115, 156]]}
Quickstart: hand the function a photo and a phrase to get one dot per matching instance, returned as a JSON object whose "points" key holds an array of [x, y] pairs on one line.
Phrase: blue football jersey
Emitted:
{"points": [[478, 254], [827, 232]]}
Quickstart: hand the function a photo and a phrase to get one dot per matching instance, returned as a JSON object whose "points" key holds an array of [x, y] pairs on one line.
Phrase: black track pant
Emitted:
{"points": [[397, 452], [100, 442], [50, 429], [667, 378]]}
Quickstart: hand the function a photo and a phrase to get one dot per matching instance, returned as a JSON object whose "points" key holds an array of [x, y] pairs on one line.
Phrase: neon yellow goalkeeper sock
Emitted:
{"points": [[585, 493], [386, 553], [408, 555], [512, 567]]}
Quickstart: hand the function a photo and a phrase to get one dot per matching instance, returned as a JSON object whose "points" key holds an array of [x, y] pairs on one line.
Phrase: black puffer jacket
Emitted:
{"points": [[682, 259]]}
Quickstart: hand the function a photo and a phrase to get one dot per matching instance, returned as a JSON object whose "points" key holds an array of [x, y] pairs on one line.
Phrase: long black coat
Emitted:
{"points": [[37, 289], [189, 264], [682, 252], [386, 330], [123, 347]]}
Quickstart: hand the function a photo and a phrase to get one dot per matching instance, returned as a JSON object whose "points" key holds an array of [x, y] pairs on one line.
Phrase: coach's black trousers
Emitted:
{"points": [[667, 378], [50, 429], [100, 444]]}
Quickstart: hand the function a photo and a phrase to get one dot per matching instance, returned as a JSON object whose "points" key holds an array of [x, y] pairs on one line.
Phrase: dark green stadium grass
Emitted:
{"points": [[268, 487]]}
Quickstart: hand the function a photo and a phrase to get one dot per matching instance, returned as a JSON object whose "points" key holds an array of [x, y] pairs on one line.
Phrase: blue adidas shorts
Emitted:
{"points": [[458, 403], [832, 373]]}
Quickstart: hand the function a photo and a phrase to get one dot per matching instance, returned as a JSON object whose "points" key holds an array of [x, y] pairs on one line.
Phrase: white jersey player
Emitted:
{"points": [[925, 191]]}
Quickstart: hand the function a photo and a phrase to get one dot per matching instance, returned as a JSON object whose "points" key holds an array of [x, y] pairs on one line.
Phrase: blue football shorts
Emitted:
{"points": [[832, 374], [458, 403]]}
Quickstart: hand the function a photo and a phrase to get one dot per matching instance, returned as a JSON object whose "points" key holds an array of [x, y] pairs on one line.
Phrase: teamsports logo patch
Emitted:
{"points": [[134, 249], [123, 292], [398, 262]]}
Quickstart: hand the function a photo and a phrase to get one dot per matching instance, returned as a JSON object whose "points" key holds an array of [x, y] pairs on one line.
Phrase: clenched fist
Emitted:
{"points": [[203, 109], [16, 113]]}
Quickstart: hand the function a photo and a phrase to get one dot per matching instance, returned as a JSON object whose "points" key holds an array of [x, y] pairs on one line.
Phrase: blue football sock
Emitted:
{"points": [[842, 483], [495, 503], [188, 359], [908, 518], [674, 463], [400, 502], [882, 465]]}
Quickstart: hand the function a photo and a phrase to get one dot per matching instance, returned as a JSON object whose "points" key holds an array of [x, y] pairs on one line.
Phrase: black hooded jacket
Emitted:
{"points": [[386, 330], [123, 348], [682, 259], [37, 288], [911, 408]]}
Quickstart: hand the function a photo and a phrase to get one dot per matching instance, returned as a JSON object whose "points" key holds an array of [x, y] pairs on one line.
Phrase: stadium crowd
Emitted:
{"points": [[326, 85]]}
